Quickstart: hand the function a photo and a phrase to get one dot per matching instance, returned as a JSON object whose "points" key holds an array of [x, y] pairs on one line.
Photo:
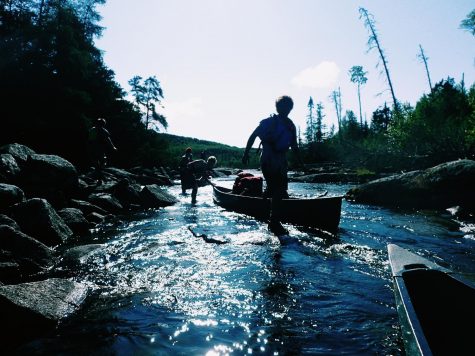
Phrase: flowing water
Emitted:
{"points": [[159, 290]]}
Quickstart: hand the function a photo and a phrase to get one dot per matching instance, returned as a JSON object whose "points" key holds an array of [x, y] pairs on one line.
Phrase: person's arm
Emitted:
{"points": [[250, 142]]}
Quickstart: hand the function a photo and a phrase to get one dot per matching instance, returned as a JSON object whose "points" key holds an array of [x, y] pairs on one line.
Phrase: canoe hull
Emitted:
{"points": [[322, 213], [434, 305]]}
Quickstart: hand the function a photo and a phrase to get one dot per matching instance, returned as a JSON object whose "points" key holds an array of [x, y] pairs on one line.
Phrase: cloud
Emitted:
{"points": [[323, 75]]}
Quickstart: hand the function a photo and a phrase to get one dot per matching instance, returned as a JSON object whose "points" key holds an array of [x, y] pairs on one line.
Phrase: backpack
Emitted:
{"points": [[279, 136]]}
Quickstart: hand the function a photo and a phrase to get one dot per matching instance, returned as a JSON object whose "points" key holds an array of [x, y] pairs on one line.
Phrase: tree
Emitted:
{"points": [[309, 132], [147, 95], [336, 98], [319, 124], [468, 23], [424, 59], [373, 42], [358, 76], [381, 119]]}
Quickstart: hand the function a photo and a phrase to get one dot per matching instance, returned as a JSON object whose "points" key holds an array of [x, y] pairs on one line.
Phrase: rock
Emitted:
{"points": [[326, 178], [127, 194], [95, 218], [29, 254], [225, 171], [120, 173], [86, 207], [448, 184], [106, 201], [38, 218], [9, 169], [10, 195], [75, 219], [50, 171], [34, 308], [79, 254], [10, 272], [19, 152], [155, 197], [6, 220]]}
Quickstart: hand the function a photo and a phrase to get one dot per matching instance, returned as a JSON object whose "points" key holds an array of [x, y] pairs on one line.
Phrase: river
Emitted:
{"points": [[159, 290]]}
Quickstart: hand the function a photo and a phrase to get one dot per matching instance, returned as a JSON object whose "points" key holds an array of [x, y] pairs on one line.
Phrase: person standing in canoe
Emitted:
{"points": [[186, 178], [200, 171], [277, 134]]}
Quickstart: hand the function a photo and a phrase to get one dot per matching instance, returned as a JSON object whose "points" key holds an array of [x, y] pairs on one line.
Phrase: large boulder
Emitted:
{"points": [[9, 169], [155, 197], [30, 255], [75, 219], [106, 201], [10, 195], [128, 194], [78, 255], [38, 218], [50, 172], [29, 309], [19, 152], [86, 207], [442, 186]]}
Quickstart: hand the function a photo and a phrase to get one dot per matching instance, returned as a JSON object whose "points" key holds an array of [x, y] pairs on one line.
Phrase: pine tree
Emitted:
{"points": [[358, 76]]}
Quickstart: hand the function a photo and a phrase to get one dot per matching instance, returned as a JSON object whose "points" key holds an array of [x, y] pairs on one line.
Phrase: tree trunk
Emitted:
{"points": [[374, 37], [359, 101]]}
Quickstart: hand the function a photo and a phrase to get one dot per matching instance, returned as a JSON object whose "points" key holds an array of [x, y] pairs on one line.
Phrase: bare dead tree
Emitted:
{"points": [[336, 98], [373, 42], [424, 59]]}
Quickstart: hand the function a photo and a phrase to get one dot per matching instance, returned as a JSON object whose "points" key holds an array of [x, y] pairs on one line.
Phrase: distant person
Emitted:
{"points": [[201, 171], [204, 155], [277, 134], [186, 178], [102, 146]]}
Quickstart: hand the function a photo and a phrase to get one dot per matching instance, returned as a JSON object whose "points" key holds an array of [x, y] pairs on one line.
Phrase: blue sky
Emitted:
{"points": [[222, 63]]}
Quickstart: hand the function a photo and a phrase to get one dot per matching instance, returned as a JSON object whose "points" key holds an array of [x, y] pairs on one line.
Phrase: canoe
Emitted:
{"points": [[436, 306], [322, 213]]}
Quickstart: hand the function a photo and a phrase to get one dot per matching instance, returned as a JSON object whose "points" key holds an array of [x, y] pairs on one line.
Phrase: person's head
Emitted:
{"points": [[211, 162], [188, 151], [101, 122], [284, 105]]}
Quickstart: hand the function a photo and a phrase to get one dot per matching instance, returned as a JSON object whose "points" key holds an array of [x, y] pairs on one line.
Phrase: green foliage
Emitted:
{"points": [[438, 125], [441, 127], [55, 84], [147, 95], [468, 23], [227, 156]]}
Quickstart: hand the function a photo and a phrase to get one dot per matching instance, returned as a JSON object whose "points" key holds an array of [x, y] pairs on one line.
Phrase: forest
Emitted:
{"points": [[55, 84]]}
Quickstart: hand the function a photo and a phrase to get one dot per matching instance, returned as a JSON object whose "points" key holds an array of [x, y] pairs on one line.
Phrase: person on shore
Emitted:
{"points": [[277, 134], [186, 178], [200, 171], [102, 146]]}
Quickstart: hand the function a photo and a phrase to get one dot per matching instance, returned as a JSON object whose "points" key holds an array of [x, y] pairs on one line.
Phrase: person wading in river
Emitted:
{"points": [[277, 134], [201, 171], [186, 178]]}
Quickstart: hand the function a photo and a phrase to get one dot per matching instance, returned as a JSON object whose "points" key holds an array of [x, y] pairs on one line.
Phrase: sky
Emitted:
{"points": [[223, 63]]}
